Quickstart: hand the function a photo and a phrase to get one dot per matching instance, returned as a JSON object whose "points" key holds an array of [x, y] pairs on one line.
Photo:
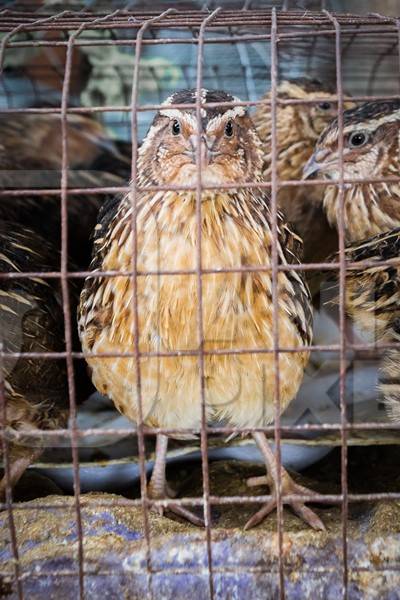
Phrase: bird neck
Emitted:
{"points": [[232, 225], [369, 209]]}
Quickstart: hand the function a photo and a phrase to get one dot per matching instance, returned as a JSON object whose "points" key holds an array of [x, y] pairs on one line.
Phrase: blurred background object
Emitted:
{"points": [[102, 75]]}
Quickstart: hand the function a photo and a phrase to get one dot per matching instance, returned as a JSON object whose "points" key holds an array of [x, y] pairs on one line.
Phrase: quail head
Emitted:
{"points": [[370, 152]]}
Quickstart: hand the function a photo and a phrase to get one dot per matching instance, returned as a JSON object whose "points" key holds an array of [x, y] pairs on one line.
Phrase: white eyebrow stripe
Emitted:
{"points": [[169, 99], [190, 118], [232, 113], [226, 116], [374, 123], [179, 115], [172, 113], [175, 113]]}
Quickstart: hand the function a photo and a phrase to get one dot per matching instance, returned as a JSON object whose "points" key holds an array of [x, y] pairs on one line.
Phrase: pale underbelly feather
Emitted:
{"points": [[239, 389]]}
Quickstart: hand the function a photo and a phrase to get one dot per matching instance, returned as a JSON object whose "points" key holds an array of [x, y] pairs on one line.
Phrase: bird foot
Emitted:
{"points": [[289, 487], [166, 493]]}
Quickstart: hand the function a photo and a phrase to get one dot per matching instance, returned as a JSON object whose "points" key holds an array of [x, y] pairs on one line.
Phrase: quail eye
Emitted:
{"points": [[358, 139], [325, 105], [229, 129], [176, 127]]}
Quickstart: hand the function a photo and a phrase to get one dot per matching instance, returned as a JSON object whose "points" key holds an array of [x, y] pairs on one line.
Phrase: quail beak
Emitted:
{"points": [[314, 164], [206, 152]]}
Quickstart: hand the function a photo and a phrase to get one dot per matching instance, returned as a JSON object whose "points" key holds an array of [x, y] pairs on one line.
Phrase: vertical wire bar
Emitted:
{"points": [[342, 311], [398, 44], [133, 281], [200, 330], [67, 310], [65, 295], [275, 296], [8, 491]]}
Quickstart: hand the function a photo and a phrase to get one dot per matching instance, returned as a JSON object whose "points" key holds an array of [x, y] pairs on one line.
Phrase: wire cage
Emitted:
{"points": [[118, 66]]}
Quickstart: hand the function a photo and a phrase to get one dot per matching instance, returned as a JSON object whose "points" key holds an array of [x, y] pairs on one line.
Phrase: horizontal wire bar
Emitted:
{"points": [[239, 38], [195, 353], [227, 186], [166, 571], [17, 435], [231, 104], [326, 266], [214, 500]]}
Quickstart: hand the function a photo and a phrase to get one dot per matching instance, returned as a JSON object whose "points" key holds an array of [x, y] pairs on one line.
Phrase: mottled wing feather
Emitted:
{"points": [[31, 320], [292, 248], [372, 291]]}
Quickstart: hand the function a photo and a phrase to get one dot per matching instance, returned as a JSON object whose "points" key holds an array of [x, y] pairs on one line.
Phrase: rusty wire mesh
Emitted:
{"points": [[138, 29]]}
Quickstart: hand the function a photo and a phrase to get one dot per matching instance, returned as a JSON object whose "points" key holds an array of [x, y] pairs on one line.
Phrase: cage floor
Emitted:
{"points": [[244, 563]]}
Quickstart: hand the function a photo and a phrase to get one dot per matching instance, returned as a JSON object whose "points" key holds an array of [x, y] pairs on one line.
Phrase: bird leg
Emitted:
{"points": [[19, 461], [289, 487], [158, 488]]}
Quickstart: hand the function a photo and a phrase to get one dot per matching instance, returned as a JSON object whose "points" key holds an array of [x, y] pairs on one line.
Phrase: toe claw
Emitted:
{"points": [[167, 494], [256, 481], [186, 514], [308, 515], [260, 515]]}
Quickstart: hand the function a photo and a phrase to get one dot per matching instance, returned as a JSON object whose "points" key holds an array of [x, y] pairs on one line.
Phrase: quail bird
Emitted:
{"points": [[237, 306], [298, 129]]}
